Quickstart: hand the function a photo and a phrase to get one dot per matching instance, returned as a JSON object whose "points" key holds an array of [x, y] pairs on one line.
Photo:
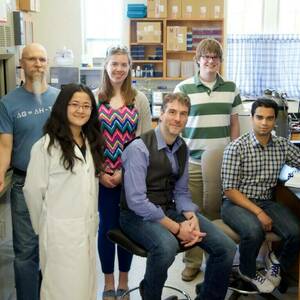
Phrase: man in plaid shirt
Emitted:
{"points": [[250, 170]]}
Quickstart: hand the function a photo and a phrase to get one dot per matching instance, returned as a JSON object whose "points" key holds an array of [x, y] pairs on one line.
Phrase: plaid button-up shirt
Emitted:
{"points": [[254, 169]]}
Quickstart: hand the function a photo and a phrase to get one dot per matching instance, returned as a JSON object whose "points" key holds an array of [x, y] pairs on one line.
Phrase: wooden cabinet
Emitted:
{"points": [[148, 56], [156, 56]]}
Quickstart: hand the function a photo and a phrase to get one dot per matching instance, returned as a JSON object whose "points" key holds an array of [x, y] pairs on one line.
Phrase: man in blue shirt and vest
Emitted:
{"points": [[157, 211]]}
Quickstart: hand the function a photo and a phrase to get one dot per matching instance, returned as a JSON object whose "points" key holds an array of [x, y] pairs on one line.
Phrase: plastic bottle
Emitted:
{"points": [[132, 73], [138, 71]]}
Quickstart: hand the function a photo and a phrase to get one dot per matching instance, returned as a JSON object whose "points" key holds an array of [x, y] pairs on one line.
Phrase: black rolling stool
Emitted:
{"points": [[119, 237]]}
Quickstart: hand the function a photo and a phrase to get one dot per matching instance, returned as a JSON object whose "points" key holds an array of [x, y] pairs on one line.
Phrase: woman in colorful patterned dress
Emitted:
{"points": [[124, 113]]}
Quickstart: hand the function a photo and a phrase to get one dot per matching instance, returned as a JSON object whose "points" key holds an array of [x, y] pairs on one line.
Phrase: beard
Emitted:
{"points": [[37, 86]]}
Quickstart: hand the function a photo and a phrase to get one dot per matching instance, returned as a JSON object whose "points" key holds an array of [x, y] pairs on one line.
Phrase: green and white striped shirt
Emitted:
{"points": [[208, 124]]}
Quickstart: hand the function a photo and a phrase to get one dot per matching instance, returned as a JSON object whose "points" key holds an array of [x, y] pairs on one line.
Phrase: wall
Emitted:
{"points": [[58, 24]]}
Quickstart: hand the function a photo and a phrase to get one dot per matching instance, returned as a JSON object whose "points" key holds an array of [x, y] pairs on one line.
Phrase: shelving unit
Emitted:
{"points": [[204, 26]]}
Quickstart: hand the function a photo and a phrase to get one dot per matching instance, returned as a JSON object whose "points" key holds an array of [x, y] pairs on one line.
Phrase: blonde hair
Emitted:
{"points": [[208, 46], [107, 90]]}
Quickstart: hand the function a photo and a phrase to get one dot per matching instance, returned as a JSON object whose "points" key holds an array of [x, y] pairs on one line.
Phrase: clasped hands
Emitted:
{"points": [[111, 179], [190, 233]]}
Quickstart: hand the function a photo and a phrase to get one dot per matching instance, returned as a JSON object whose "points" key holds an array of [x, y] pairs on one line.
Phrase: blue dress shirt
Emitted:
{"points": [[135, 159]]}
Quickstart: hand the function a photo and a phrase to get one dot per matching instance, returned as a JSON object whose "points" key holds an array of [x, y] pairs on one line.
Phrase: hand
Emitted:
{"points": [[117, 177], [194, 222], [107, 180], [189, 235], [265, 220]]}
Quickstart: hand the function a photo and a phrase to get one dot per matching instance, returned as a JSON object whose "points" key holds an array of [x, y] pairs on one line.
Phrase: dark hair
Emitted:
{"points": [[58, 129], [208, 46], [107, 90], [180, 97], [264, 102]]}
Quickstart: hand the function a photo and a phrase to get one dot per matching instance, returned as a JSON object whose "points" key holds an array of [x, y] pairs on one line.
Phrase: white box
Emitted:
{"points": [[173, 68], [187, 69]]}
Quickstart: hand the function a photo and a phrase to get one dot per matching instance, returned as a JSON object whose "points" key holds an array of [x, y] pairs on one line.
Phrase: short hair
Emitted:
{"points": [[264, 102], [180, 97], [208, 46]]}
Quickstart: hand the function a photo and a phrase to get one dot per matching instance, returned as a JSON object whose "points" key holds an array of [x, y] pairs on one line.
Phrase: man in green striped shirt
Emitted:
{"points": [[212, 123]]}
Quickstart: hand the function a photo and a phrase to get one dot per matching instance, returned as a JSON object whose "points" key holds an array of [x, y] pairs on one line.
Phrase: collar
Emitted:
{"points": [[161, 143], [256, 143], [198, 82]]}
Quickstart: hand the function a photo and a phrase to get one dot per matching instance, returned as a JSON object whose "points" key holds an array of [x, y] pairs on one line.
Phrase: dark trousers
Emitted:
{"points": [[109, 210]]}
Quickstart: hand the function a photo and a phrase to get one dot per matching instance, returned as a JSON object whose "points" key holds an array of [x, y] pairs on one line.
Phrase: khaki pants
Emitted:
{"points": [[193, 258]]}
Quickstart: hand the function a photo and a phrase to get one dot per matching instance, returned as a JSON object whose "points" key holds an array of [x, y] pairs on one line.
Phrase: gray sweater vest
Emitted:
{"points": [[160, 180]]}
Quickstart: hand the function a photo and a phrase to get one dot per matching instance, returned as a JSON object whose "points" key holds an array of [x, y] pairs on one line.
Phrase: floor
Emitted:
{"points": [[7, 291], [174, 279]]}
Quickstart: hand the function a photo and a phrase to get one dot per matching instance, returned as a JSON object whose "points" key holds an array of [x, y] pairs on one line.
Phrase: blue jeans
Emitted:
{"points": [[25, 242], [162, 247], [252, 235], [109, 211]]}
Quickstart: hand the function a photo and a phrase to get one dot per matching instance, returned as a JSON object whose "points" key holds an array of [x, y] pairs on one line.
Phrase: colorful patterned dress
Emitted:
{"points": [[118, 126]]}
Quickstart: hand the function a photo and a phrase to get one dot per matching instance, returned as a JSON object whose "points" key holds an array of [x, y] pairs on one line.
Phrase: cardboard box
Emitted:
{"points": [[176, 38], [189, 9], [203, 9], [156, 8], [216, 9], [174, 9], [148, 32]]}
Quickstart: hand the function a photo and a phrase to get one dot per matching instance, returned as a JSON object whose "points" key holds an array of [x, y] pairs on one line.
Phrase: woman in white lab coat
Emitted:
{"points": [[61, 191]]}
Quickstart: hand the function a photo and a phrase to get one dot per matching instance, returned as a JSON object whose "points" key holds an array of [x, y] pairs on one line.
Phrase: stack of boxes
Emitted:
{"points": [[179, 38], [200, 33], [137, 52], [203, 9], [136, 10], [189, 41], [186, 9]]}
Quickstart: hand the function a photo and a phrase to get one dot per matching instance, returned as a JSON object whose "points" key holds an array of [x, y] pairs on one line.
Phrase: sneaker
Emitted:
{"points": [[189, 274], [273, 269], [262, 284]]}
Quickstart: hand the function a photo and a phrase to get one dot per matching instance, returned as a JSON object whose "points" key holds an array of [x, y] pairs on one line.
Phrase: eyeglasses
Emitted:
{"points": [[208, 58], [33, 59], [77, 106], [115, 49]]}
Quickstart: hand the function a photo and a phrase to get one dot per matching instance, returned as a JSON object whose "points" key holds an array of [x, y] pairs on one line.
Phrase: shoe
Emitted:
{"points": [[198, 288], [273, 269], [173, 297], [189, 274], [109, 295], [141, 289], [120, 293], [262, 284]]}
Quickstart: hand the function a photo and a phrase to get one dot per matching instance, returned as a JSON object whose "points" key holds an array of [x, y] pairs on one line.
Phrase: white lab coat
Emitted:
{"points": [[63, 208]]}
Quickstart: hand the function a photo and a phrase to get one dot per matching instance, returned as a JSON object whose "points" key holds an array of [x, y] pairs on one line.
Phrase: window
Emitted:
{"points": [[289, 21], [263, 46], [263, 16], [102, 25]]}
